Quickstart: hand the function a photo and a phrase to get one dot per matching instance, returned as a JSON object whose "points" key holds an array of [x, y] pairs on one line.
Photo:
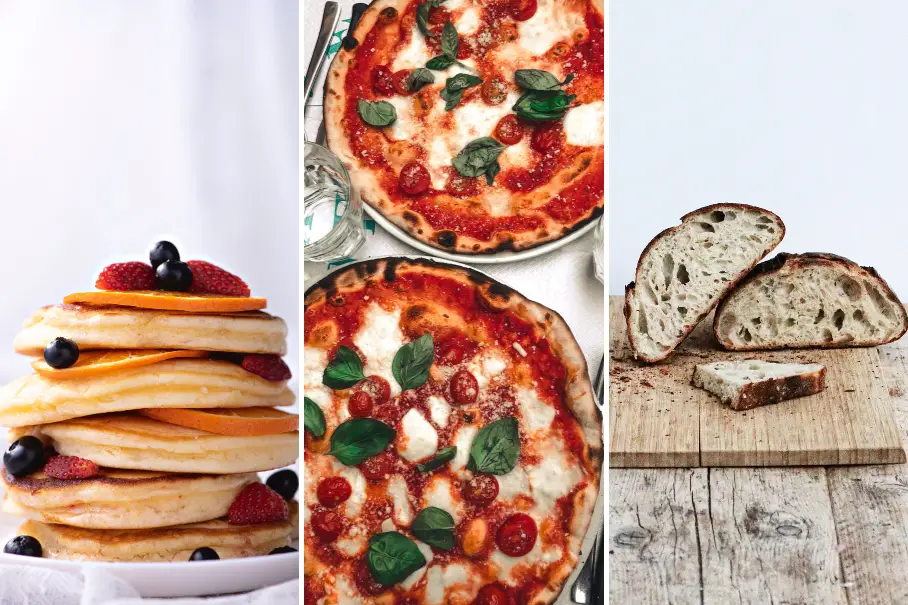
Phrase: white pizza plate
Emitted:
{"points": [[184, 579], [598, 517], [505, 256]]}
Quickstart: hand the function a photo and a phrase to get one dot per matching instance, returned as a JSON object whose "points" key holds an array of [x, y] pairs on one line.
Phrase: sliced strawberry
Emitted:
{"points": [[258, 503], [211, 279], [126, 276], [269, 367], [70, 467]]}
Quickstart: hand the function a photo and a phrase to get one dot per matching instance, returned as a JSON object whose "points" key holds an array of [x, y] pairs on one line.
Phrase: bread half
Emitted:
{"points": [[809, 300], [748, 384], [685, 270]]}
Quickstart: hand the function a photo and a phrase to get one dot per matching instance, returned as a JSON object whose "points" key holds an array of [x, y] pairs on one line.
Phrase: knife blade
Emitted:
{"points": [[349, 43]]}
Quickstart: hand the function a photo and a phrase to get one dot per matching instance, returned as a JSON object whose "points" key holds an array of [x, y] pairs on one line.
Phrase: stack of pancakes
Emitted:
{"points": [[162, 490]]}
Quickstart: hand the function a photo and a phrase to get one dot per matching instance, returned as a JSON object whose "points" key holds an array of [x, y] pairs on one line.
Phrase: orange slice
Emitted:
{"points": [[169, 301], [92, 363], [238, 422]]}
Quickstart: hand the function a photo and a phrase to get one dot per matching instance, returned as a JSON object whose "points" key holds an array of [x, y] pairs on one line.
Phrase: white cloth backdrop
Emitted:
{"points": [[122, 123]]}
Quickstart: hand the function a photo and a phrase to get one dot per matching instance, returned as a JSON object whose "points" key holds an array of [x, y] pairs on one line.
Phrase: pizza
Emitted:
{"points": [[474, 125], [453, 447]]}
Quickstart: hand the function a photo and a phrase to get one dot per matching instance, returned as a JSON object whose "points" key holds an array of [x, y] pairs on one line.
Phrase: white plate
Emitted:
{"points": [[505, 256], [195, 579]]}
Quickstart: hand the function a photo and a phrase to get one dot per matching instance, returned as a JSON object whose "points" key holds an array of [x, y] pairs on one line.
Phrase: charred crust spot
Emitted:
{"points": [[416, 311], [446, 238], [349, 42], [475, 247], [410, 217], [387, 15], [336, 300], [500, 291], [390, 273]]}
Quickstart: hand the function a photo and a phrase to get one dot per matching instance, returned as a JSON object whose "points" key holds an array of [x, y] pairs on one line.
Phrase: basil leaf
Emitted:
{"points": [[392, 557], [418, 78], [536, 79], [376, 113], [313, 418], [451, 98], [492, 172], [412, 361], [360, 438], [344, 371], [450, 41], [434, 526], [496, 448], [440, 63], [478, 157], [537, 105], [444, 455], [422, 16]]}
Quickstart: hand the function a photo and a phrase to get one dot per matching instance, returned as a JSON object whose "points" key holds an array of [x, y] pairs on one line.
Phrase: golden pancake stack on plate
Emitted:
{"points": [[152, 407]]}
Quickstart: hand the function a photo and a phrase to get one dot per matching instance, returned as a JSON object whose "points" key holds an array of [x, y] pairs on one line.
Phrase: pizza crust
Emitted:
{"points": [[579, 388], [366, 183]]}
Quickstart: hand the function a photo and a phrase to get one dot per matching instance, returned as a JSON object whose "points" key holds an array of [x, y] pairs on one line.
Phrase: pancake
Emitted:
{"points": [[162, 544], [106, 327], [136, 442], [117, 499], [176, 383]]}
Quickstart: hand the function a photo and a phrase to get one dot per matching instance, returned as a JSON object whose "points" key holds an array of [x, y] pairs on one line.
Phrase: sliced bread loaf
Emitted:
{"points": [[809, 300], [684, 272], [751, 383]]}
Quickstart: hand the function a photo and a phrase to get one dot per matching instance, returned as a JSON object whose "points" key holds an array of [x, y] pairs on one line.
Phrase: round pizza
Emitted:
{"points": [[475, 125], [453, 446]]}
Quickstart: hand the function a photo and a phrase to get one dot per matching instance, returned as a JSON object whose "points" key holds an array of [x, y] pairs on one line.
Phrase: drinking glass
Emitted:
{"points": [[332, 210]]}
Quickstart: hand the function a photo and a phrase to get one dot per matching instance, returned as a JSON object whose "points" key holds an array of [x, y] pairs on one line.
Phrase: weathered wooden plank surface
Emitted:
{"points": [[870, 505], [659, 419], [654, 554]]}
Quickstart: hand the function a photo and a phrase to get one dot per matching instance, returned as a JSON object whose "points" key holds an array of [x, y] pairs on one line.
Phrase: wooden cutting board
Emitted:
{"points": [[658, 419]]}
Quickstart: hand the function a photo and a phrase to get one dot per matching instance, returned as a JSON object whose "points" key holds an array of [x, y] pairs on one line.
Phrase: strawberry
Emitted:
{"points": [[257, 503], [126, 276], [70, 467], [211, 279], [269, 367]]}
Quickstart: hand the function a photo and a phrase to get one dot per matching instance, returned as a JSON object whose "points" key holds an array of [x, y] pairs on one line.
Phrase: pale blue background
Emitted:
{"points": [[798, 106]]}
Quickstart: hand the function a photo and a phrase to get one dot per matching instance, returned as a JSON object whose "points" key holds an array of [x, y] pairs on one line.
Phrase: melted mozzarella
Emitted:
{"points": [[584, 125], [442, 579], [517, 156], [438, 494], [379, 339], [486, 367], [347, 593], [438, 159], [535, 414], [417, 575], [439, 410], [435, 587], [397, 489], [314, 363], [405, 125], [476, 119], [415, 54], [549, 25], [352, 546], [463, 442], [498, 202], [354, 504], [512, 484], [552, 478], [418, 439], [468, 22], [506, 564]]}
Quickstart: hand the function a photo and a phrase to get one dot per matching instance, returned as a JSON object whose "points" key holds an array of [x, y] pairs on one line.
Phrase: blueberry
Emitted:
{"points": [[23, 545], [163, 252], [173, 276], [61, 353], [285, 483], [24, 456], [282, 550], [204, 554]]}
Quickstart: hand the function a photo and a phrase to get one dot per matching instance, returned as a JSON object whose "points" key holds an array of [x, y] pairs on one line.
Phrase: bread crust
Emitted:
{"points": [[630, 289], [579, 390], [793, 262], [366, 183]]}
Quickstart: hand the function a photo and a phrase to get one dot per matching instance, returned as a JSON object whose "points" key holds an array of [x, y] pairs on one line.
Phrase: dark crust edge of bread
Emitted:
{"points": [[729, 286], [806, 259], [775, 390]]}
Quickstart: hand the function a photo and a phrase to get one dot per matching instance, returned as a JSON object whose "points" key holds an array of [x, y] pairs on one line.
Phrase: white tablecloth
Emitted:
{"points": [[562, 280]]}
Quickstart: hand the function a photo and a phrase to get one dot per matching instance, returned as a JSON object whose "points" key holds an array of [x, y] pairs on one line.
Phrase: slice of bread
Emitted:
{"points": [[809, 300], [684, 272], [751, 383]]}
